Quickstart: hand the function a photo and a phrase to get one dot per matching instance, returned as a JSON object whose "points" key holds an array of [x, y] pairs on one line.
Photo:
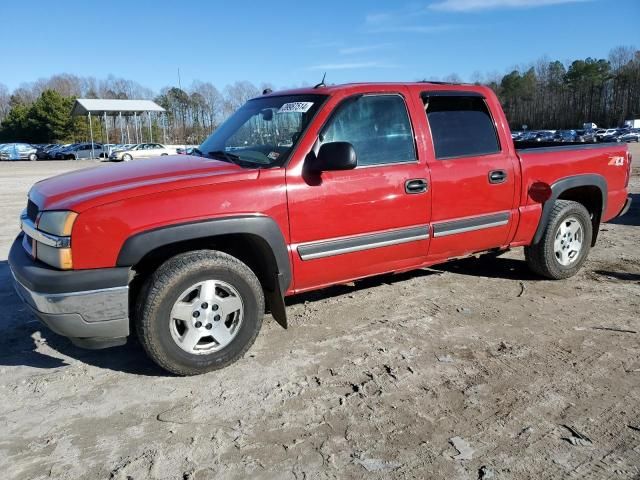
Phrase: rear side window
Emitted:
{"points": [[377, 126], [460, 126]]}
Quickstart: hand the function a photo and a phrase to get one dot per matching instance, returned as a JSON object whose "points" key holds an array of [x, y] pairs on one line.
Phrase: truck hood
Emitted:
{"points": [[90, 187]]}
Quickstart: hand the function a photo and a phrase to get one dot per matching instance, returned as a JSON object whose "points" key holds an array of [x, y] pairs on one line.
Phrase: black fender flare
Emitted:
{"points": [[561, 186], [136, 247]]}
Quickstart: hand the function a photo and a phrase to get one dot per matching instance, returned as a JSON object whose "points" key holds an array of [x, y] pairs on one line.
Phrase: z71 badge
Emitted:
{"points": [[616, 161]]}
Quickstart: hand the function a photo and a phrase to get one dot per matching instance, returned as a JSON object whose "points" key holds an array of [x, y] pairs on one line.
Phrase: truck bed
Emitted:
{"points": [[611, 161]]}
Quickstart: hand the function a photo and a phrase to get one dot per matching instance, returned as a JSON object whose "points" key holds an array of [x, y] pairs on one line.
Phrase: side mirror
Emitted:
{"points": [[336, 156]]}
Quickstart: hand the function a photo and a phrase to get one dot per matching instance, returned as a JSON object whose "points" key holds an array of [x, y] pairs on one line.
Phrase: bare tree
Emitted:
{"points": [[5, 101], [237, 94], [213, 102]]}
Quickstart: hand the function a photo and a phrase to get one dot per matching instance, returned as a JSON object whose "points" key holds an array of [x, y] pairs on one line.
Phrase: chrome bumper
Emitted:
{"points": [[91, 319]]}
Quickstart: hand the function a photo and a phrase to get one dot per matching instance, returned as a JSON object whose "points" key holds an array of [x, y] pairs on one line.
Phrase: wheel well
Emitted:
{"points": [[590, 197], [250, 249]]}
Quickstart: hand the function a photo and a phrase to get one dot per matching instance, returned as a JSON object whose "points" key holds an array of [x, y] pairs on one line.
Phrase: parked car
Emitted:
{"points": [[42, 150], [142, 150], [185, 151], [61, 153], [537, 136], [602, 133], [108, 148], [631, 136], [50, 154], [565, 136], [585, 136], [200, 248], [614, 136], [79, 151], [18, 151]]}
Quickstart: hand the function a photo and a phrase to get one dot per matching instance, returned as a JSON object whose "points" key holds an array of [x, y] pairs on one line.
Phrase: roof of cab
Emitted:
{"points": [[371, 86]]}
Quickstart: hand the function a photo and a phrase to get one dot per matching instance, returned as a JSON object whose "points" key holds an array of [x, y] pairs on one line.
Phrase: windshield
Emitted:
{"points": [[264, 131]]}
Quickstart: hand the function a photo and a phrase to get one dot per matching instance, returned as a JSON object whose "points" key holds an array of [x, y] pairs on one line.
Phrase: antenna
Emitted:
{"points": [[184, 127], [321, 84]]}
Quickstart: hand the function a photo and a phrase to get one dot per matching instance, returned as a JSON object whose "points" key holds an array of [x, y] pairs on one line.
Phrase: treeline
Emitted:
{"points": [[547, 94], [39, 112], [551, 94]]}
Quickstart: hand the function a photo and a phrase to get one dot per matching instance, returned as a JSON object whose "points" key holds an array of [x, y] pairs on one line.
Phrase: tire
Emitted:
{"points": [[33, 157], [557, 256], [158, 329], [126, 157]]}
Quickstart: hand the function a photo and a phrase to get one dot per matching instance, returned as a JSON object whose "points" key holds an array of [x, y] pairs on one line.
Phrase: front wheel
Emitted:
{"points": [[33, 157], [126, 157], [565, 243], [200, 311]]}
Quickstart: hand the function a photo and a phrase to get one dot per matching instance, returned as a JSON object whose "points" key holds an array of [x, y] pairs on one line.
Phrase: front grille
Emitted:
{"points": [[32, 211]]}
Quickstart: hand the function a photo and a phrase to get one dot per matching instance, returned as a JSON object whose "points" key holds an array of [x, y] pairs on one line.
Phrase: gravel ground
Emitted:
{"points": [[473, 369]]}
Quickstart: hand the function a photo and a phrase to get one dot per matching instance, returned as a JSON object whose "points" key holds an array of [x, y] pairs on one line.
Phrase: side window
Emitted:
{"points": [[460, 126], [377, 126]]}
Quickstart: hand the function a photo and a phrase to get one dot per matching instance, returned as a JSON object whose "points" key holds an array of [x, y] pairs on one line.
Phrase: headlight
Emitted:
{"points": [[57, 222]]}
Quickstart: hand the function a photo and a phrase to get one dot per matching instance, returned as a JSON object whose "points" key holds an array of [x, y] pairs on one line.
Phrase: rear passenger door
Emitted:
{"points": [[472, 176]]}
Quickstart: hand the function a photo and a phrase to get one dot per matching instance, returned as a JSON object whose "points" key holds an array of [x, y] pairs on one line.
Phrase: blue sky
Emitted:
{"points": [[287, 43]]}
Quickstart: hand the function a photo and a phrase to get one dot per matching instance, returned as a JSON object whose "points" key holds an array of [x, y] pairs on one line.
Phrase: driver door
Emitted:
{"points": [[355, 223]]}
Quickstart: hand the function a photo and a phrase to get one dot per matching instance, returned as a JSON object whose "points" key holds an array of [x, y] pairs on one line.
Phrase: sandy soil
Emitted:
{"points": [[527, 378]]}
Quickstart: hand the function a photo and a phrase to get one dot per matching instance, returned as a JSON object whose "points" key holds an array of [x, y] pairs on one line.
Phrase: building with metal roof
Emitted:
{"points": [[107, 107], [113, 107]]}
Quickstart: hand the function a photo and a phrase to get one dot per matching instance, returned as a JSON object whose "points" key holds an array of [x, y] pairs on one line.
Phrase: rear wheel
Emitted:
{"points": [[200, 311], [565, 243], [33, 157]]}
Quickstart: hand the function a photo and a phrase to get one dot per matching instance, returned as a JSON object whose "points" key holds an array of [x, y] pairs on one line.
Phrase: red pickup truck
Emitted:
{"points": [[296, 191]]}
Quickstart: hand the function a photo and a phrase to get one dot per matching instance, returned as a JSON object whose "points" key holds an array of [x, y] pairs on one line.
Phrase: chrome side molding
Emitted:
{"points": [[339, 246]]}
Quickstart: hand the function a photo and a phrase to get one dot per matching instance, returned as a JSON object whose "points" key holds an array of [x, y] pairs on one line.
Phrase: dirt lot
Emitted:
{"points": [[371, 380]]}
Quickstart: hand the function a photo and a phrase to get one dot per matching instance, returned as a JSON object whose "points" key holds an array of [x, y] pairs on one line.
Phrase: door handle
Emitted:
{"points": [[416, 185], [497, 176]]}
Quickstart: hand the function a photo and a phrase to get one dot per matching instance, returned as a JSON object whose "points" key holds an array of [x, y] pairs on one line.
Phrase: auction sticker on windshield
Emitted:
{"points": [[295, 107]]}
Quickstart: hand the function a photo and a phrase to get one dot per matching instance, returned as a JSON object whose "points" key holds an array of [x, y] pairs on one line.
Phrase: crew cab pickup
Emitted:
{"points": [[296, 191]]}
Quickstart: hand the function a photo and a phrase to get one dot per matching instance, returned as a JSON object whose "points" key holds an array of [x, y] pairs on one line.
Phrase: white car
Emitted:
{"points": [[142, 150]]}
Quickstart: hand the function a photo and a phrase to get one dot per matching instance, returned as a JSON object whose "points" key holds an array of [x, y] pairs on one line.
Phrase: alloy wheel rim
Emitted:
{"points": [[206, 317], [568, 241]]}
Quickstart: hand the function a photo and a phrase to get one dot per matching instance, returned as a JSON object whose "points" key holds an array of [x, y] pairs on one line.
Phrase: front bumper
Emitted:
{"points": [[91, 307]]}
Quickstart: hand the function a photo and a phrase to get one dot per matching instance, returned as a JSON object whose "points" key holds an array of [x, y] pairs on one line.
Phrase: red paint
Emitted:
{"points": [[117, 201]]}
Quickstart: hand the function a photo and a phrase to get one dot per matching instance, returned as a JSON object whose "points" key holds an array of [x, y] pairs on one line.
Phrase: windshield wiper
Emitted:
{"points": [[229, 157]]}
